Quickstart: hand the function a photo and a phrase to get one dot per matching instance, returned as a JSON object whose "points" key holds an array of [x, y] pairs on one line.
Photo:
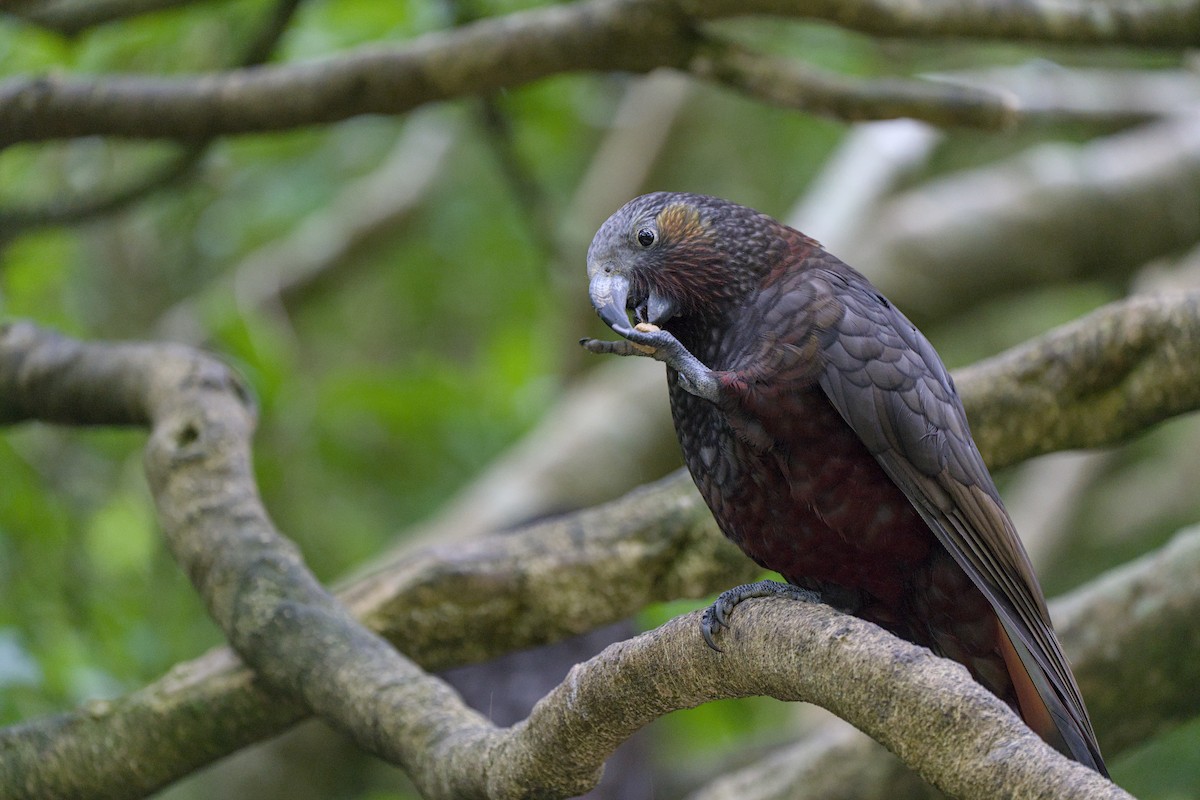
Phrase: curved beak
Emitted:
{"points": [[609, 292], [659, 308]]}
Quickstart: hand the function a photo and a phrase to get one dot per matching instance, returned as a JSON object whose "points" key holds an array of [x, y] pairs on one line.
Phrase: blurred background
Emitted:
{"points": [[405, 295]]}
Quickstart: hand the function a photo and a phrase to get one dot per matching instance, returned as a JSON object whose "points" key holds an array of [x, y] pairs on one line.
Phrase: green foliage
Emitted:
{"points": [[1165, 768], [323, 28], [33, 283]]}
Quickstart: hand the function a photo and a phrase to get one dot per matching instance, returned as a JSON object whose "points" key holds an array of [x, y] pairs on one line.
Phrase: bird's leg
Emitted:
{"points": [[716, 616], [651, 341]]}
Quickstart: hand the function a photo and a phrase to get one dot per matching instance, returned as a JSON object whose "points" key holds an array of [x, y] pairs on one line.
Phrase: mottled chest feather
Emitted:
{"points": [[786, 477]]}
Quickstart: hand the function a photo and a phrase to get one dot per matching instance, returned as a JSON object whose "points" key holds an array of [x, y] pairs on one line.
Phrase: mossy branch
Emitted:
{"points": [[563, 576], [509, 51]]}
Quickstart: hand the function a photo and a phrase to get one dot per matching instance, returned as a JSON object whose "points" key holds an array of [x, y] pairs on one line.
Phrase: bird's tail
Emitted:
{"points": [[1046, 708]]}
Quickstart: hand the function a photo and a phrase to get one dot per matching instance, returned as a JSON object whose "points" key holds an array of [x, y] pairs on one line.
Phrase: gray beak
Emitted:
{"points": [[659, 309], [609, 292]]}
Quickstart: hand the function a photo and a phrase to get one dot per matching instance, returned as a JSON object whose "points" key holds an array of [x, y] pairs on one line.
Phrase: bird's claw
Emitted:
{"points": [[622, 347], [711, 622], [651, 341], [658, 344], [643, 339], [716, 616]]}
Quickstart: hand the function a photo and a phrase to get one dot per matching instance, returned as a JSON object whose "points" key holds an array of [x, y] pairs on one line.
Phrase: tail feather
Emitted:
{"points": [[1044, 709]]}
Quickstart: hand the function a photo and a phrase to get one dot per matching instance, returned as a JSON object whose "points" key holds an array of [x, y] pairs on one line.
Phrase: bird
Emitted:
{"points": [[827, 438]]}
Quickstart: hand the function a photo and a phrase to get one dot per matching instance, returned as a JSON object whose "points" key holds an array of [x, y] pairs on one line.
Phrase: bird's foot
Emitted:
{"points": [[623, 347], [716, 616], [650, 341]]}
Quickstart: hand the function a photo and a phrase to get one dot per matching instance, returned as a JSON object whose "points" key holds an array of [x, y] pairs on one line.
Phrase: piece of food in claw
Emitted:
{"points": [[646, 327]]}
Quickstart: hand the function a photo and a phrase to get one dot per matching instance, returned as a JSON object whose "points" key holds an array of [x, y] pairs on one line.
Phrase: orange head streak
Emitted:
{"points": [[687, 255], [682, 222], [692, 265]]}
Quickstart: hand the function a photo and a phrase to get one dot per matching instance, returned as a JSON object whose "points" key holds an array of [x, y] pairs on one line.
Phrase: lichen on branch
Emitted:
{"points": [[309, 650]]}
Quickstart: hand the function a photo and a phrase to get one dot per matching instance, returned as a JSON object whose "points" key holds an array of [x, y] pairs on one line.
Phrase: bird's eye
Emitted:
{"points": [[645, 237]]}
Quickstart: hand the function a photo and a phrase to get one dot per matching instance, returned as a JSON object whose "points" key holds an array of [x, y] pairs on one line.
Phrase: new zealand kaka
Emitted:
{"points": [[826, 436]]}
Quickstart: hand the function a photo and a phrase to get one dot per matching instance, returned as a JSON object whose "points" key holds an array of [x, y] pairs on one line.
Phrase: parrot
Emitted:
{"points": [[826, 436]]}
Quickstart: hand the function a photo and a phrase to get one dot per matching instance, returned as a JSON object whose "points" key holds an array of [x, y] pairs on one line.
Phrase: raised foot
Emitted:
{"points": [[650, 341], [716, 616]]}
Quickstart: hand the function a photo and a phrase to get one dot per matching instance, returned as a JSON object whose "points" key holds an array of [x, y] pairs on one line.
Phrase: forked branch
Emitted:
{"points": [[307, 647]]}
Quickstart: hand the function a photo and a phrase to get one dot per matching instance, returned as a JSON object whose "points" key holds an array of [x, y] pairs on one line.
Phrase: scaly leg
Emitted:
{"points": [[651, 341]]}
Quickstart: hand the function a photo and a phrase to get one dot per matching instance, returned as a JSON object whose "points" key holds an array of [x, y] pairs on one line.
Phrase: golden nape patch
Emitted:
{"points": [[680, 221]]}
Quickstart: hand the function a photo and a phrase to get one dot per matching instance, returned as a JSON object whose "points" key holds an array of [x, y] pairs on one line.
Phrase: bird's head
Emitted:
{"points": [[668, 255]]}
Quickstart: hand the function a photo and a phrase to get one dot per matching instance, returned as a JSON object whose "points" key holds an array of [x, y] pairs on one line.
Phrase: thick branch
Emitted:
{"points": [[1094, 382], [1055, 213], [1131, 635], [952, 731], [1109, 626], [627, 35], [126, 748], [662, 534], [273, 611], [492, 54], [444, 606]]}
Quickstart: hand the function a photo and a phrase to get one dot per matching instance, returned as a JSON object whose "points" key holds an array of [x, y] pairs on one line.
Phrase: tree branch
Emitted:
{"points": [[626, 35], [1130, 633], [789, 84], [286, 269], [445, 605], [253, 581], [67, 210], [1091, 383], [1056, 212], [1117, 97], [198, 459], [128, 747], [1108, 626], [985, 99], [1148, 24], [635, 35], [956, 735], [70, 17], [835, 762]]}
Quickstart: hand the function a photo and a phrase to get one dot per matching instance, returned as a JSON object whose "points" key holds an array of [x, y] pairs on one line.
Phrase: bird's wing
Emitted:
{"points": [[887, 382]]}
